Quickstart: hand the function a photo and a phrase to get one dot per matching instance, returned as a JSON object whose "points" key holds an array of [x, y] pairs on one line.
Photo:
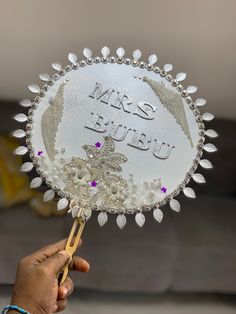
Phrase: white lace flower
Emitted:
{"points": [[80, 176]]}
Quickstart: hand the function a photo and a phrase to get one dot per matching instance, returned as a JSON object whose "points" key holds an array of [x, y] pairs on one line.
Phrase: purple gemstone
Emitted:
{"points": [[164, 189], [98, 144], [93, 183], [40, 152]]}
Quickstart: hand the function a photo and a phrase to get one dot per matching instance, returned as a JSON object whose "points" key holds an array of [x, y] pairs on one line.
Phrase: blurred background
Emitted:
{"points": [[188, 262]]}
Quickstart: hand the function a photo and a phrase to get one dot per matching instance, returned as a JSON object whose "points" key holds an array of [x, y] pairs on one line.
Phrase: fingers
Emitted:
{"points": [[55, 263], [79, 264], [65, 289], [49, 250], [60, 306]]}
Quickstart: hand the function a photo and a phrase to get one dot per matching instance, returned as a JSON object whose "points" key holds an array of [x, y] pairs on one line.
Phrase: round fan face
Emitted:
{"points": [[116, 135]]}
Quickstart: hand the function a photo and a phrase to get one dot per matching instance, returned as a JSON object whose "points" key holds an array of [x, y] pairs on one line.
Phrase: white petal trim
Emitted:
{"points": [[140, 219], [158, 215], [121, 221], [102, 218]]}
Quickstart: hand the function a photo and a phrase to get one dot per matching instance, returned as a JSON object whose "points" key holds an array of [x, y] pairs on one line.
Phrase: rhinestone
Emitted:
{"points": [[67, 195], [192, 105], [42, 93], [56, 188], [127, 61], [174, 82], [169, 77], [60, 193], [163, 73], [201, 126], [90, 61], [45, 87], [97, 59], [104, 60], [198, 118], [68, 68], [35, 162], [56, 76], [149, 67], [156, 69], [196, 112], [189, 99], [75, 66], [120, 60], [113, 59], [50, 82], [62, 72], [135, 62], [142, 64], [180, 87], [175, 193], [184, 93], [82, 63], [201, 132]]}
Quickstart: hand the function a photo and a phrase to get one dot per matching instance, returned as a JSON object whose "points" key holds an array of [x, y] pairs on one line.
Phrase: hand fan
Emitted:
{"points": [[114, 135]]}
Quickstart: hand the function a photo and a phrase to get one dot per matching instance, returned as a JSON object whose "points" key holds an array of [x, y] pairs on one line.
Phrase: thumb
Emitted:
{"points": [[56, 262]]}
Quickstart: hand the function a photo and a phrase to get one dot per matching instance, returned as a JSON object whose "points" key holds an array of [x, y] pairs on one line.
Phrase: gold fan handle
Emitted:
{"points": [[71, 246]]}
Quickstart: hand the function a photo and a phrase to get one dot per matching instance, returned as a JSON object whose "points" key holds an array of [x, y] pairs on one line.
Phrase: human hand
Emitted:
{"points": [[36, 287]]}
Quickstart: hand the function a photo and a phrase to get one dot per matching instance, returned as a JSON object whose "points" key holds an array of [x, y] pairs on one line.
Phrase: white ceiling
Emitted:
{"points": [[198, 37]]}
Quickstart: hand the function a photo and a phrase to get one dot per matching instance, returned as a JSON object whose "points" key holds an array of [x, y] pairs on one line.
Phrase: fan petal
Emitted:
{"points": [[62, 204], [189, 192], [26, 103], [120, 52], [137, 54], [27, 166], [21, 150], [206, 164], [105, 51], [197, 177], [121, 221], [87, 53], [19, 133], [175, 205], [36, 182], [21, 117], [210, 148], [152, 59], [102, 218], [140, 219], [48, 195], [181, 76], [158, 215], [72, 57]]}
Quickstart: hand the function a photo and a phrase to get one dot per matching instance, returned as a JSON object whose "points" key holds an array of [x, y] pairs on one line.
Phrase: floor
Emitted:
{"points": [[87, 302]]}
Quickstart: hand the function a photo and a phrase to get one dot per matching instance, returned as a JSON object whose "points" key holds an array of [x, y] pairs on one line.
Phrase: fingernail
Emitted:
{"points": [[55, 307], [65, 291]]}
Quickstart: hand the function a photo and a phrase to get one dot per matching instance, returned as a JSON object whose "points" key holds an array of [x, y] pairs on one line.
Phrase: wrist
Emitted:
{"points": [[25, 304]]}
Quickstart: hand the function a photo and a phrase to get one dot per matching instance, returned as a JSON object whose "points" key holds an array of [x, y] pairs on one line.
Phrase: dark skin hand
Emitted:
{"points": [[36, 287]]}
